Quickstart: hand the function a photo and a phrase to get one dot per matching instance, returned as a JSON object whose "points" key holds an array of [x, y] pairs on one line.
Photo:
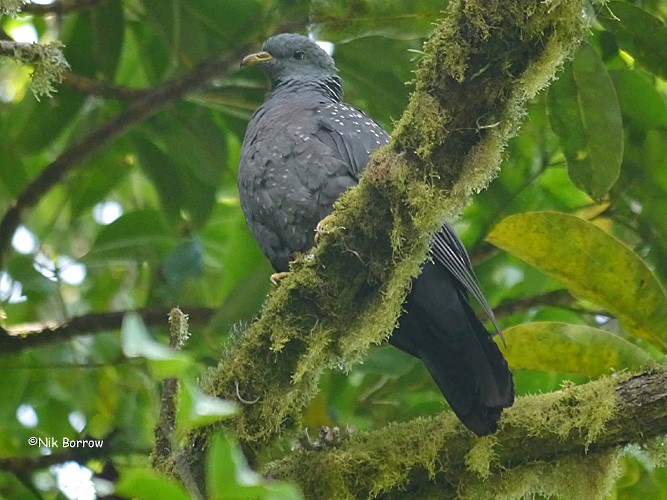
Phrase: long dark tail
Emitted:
{"points": [[440, 327]]}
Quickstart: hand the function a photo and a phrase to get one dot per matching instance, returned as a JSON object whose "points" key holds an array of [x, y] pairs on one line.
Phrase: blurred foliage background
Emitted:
{"points": [[569, 242]]}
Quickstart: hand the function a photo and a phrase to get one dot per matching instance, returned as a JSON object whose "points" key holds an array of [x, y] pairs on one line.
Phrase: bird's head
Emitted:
{"points": [[290, 56]]}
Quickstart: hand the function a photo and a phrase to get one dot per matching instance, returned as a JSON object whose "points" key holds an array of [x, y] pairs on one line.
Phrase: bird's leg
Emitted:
{"points": [[276, 278], [322, 228]]}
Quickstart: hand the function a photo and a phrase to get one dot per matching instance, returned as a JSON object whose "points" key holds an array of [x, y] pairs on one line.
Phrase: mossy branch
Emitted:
{"points": [[481, 65], [545, 444], [48, 62]]}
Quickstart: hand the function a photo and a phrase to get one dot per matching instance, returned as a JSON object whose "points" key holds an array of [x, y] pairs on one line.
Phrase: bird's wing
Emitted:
{"points": [[448, 250], [351, 134]]}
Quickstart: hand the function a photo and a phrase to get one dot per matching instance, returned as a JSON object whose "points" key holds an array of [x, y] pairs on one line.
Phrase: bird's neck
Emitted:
{"points": [[330, 87]]}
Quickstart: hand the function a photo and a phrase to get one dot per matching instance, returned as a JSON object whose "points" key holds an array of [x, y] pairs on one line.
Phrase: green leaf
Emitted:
{"points": [[91, 184], [183, 262], [94, 39], [639, 100], [584, 113], [196, 409], [12, 487], [184, 155], [640, 34], [137, 342], [149, 484], [135, 235], [592, 264], [229, 477], [554, 346]]}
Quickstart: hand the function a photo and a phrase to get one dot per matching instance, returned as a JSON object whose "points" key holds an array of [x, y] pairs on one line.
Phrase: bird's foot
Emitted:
{"points": [[322, 228], [328, 437], [276, 278]]}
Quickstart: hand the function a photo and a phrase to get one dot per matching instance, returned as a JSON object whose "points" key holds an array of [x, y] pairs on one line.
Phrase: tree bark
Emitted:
{"points": [[439, 455]]}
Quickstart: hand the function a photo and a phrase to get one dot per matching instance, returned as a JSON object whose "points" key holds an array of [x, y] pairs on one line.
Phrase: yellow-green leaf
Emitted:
{"points": [[592, 264], [562, 347]]}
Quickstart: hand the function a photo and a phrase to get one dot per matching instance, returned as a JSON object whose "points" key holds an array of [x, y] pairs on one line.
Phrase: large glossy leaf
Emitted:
{"points": [[36, 125], [593, 264], [639, 33], [374, 71], [183, 262], [562, 347], [92, 183], [584, 113], [94, 39]]}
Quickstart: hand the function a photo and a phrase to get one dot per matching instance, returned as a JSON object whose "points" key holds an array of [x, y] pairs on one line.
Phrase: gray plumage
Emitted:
{"points": [[302, 149]]}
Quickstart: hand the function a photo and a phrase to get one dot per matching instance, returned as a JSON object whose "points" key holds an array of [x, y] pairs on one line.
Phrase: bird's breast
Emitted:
{"points": [[288, 181]]}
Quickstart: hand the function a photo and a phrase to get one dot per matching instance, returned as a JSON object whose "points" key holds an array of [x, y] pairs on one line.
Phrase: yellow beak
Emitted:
{"points": [[256, 58]]}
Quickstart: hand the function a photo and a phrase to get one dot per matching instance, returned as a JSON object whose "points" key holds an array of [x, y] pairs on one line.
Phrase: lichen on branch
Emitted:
{"points": [[11, 7], [48, 62]]}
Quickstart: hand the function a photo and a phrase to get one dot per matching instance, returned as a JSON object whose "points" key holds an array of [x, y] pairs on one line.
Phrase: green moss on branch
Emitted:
{"points": [[484, 60], [560, 444]]}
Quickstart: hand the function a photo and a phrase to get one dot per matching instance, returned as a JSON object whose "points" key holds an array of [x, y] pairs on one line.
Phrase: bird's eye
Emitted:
{"points": [[299, 54]]}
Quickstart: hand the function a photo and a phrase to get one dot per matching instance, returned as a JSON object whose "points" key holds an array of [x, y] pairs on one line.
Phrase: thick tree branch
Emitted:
{"points": [[439, 455], [22, 337], [479, 68]]}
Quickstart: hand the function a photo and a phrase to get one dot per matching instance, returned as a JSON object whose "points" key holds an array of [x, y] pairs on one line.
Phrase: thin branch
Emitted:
{"points": [[438, 454], [164, 429], [556, 298], [99, 88], [22, 337], [75, 454]]}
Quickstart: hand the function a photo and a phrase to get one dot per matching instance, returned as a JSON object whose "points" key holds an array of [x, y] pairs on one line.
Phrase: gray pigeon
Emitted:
{"points": [[302, 149]]}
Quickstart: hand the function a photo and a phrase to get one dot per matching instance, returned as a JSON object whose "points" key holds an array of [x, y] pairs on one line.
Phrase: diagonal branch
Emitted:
{"points": [[482, 63], [100, 88]]}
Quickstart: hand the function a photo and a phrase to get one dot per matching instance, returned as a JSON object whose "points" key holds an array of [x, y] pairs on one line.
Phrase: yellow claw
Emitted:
{"points": [[276, 278]]}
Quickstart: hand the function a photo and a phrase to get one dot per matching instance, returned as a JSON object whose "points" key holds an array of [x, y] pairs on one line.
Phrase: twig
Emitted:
{"points": [[165, 442], [99, 88], [21, 337]]}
